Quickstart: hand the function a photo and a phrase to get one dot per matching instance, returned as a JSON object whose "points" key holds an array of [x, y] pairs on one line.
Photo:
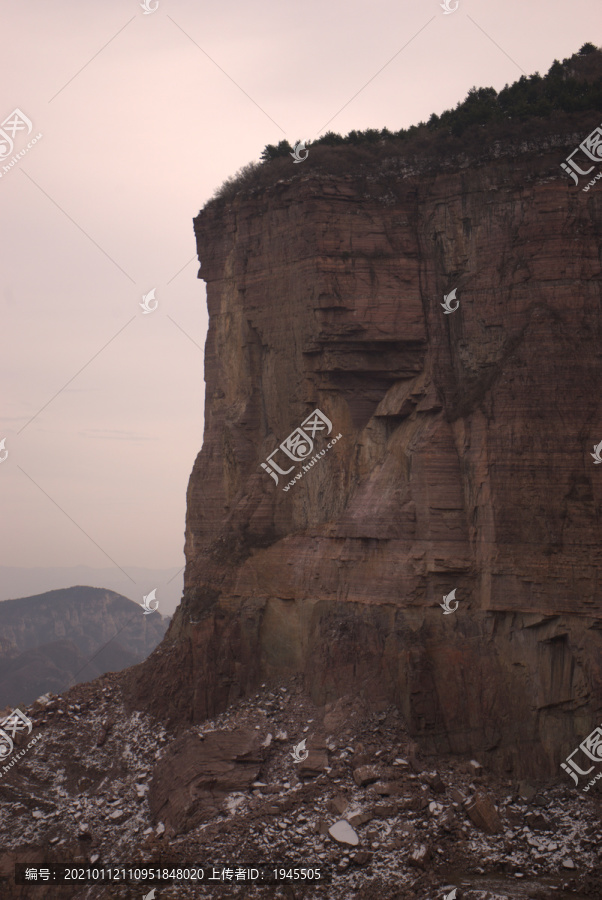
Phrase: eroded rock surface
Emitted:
{"points": [[463, 463]]}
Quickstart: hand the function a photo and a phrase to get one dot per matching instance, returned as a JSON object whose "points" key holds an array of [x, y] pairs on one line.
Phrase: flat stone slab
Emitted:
{"points": [[192, 780], [343, 833], [315, 763]]}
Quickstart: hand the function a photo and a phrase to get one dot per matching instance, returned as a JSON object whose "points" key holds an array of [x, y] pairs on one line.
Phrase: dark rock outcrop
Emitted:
{"points": [[194, 777]]}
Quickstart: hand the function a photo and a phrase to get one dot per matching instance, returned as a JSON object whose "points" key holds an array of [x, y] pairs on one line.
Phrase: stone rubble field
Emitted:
{"points": [[106, 787]]}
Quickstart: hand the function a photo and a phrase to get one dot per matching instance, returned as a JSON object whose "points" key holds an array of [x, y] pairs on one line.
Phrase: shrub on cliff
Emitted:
{"points": [[573, 86], [567, 87], [245, 177]]}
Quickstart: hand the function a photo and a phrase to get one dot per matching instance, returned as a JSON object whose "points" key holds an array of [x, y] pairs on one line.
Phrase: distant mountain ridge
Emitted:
{"points": [[51, 640], [132, 582]]}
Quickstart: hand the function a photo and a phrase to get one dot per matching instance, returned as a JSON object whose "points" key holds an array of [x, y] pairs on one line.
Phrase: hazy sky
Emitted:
{"points": [[142, 117]]}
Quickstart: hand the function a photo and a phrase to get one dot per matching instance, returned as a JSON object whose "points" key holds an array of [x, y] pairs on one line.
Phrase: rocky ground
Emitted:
{"points": [[105, 787]]}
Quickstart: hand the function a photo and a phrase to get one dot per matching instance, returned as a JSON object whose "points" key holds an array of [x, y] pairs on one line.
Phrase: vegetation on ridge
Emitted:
{"points": [[573, 86]]}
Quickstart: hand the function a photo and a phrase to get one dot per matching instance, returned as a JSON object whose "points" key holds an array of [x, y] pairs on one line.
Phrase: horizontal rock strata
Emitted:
{"points": [[463, 463]]}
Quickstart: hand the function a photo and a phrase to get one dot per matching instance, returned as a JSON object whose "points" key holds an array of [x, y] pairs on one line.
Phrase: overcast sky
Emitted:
{"points": [[142, 116]]}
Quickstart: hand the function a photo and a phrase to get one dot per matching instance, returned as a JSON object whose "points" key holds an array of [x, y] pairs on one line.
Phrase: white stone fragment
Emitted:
{"points": [[343, 833]]}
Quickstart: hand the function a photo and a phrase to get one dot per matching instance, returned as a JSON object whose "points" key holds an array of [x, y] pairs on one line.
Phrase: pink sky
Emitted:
{"points": [[143, 116]]}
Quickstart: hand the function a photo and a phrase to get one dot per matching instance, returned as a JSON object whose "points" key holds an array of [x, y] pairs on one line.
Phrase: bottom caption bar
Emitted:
{"points": [[62, 873]]}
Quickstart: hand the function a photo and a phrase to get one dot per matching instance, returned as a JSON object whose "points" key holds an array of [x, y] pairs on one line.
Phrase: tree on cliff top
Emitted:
{"points": [[272, 151], [571, 86], [567, 87]]}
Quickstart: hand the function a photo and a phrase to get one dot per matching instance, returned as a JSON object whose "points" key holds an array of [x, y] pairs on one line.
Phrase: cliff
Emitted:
{"points": [[463, 461]]}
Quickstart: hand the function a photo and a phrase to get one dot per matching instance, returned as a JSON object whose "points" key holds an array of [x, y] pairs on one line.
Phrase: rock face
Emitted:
{"points": [[463, 460]]}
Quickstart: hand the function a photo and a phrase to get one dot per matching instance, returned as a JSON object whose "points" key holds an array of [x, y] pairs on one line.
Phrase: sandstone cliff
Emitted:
{"points": [[464, 461]]}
